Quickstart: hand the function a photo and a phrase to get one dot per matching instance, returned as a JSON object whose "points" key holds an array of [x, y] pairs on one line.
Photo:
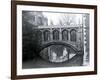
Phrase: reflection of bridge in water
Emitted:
{"points": [[67, 36]]}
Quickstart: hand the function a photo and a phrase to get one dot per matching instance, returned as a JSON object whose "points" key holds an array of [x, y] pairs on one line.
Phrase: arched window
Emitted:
{"points": [[46, 35], [64, 35], [73, 35], [55, 35]]}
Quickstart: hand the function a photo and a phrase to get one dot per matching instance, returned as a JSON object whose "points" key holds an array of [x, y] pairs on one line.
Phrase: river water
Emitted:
{"points": [[57, 53]]}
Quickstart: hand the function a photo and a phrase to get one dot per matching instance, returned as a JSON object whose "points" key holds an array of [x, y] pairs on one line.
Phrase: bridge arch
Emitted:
{"points": [[47, 44]]}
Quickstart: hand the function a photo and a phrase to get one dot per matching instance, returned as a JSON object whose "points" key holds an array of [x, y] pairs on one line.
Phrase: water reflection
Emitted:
{"points": [[57, 53]]}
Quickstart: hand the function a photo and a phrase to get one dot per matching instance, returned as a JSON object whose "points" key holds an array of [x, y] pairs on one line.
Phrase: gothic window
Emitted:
{"points": [[46, 35], [64, 35], [73, 35], [55, 35]]}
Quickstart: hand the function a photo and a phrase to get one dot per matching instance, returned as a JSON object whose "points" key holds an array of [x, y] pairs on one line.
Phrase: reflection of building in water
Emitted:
{"points": [[53, 56], [65, 52], [58, 54]]}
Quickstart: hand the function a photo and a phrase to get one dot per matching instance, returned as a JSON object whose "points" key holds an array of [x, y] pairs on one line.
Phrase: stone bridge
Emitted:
{"points": [[60, 35]]}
